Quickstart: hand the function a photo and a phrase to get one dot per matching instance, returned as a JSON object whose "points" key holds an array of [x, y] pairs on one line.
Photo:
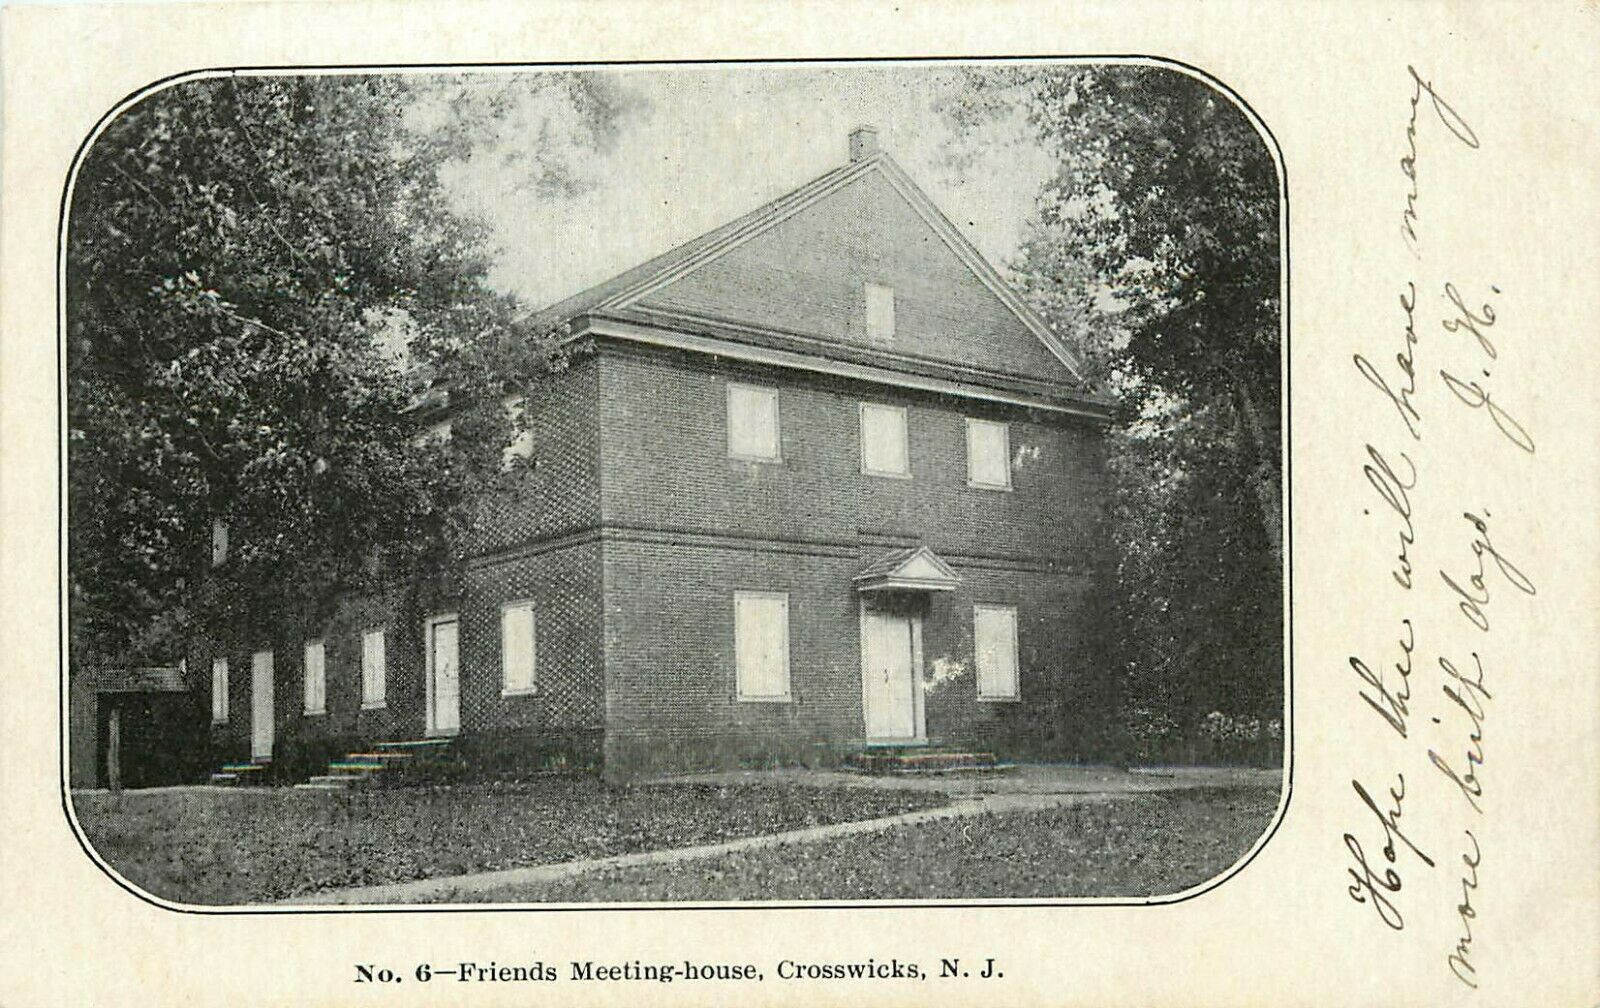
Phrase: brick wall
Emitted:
{"points": [[560, 493], [666, 464], [569, 697], [670, 669], [345, 722]]}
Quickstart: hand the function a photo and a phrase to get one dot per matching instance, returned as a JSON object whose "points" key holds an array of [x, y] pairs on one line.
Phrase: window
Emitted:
{"points": [[219, 542], [988, 454], [219, 691], [753, 423], [883, 441], [521, 444], [316, 676], [761, 645], [994, 635], [373, 664], [880, 313], [518, 648]]}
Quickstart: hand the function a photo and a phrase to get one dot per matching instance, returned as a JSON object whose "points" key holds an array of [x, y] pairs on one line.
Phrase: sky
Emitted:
{"points": [[697, 147]]}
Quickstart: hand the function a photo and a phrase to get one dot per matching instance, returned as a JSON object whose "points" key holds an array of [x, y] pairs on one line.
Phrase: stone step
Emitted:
{"points": [[386, 756], [334, 780], [310, 786], [415, 745], [905, 762]]}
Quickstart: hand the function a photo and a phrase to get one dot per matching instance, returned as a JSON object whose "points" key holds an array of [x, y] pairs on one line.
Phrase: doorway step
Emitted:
{"points": [[237, 774], [922, 761], [383, 763]]}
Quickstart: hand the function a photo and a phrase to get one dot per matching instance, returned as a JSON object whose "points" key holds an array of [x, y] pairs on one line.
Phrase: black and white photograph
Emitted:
{"points": [[721, 483]]}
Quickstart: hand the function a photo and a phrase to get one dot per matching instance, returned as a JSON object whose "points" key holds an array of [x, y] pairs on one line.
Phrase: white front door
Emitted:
{"points": [[444, 676], [261, 705], [888, 670]]}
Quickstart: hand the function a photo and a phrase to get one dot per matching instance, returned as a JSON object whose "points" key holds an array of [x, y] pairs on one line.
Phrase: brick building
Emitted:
{"points": [[818, 480]]}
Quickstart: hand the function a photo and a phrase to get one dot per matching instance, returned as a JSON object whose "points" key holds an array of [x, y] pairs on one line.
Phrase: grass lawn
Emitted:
{"points": [[221, 847], [1131, 845]]}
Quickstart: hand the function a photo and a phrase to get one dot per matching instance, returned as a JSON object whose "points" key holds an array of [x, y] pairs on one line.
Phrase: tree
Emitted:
{"points": [[245, 257], [1154, 249]]}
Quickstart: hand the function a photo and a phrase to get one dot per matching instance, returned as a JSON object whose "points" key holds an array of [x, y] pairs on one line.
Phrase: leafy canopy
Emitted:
{"points": [[262, 274]]}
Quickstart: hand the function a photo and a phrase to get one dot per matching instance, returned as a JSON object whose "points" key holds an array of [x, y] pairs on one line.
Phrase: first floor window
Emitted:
{"points": [[219, 691], [761, 645], [884, 451], [517, 648], [994, 633], [316, 674], [373, 663]]}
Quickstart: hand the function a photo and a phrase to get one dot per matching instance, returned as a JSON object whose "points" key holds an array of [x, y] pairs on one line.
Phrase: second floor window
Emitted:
{"points": [[988, 455], [753, 422], [884, 451]]}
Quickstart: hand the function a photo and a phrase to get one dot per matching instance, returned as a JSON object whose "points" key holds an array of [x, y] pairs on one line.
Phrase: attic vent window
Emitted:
{"points": [[880, 313]]}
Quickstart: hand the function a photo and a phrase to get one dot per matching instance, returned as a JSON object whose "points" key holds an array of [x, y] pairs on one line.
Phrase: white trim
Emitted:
{"points": [[656, 336], [787, 696], [1005, 452], [974, 261], [429, 624], [777, 212], [905, 438], [777, 421]]}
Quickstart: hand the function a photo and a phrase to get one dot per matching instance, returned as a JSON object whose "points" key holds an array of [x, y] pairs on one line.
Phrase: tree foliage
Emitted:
{"points": [[1154, 249], [263, 273]]}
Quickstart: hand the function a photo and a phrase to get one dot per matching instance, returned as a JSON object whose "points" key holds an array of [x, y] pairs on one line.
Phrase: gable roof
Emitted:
{"points": [[626, 289], [917, 568]]}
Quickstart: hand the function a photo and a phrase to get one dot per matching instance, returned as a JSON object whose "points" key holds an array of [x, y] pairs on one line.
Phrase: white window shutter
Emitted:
{"points": [[518, 653], [761, 645], [994, 632], [883, 440], [219, 691], [753, 422], [988, 454], [373, 660], [316, 677], [880, 313]]}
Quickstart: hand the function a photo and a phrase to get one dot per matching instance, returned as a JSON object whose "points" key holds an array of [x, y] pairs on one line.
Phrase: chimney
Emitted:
{"points": [[863, 142]]}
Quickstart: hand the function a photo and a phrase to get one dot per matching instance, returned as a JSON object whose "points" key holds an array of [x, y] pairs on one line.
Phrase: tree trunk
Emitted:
{"points": [[114, 752], [1265, 472]]}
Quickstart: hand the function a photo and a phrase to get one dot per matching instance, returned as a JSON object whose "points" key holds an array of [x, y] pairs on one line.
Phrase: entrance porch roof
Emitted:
{"points": [[914, 569]]}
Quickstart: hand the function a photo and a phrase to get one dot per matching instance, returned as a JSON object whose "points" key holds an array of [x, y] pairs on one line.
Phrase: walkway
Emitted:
{"points": [[1026, 788]]}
